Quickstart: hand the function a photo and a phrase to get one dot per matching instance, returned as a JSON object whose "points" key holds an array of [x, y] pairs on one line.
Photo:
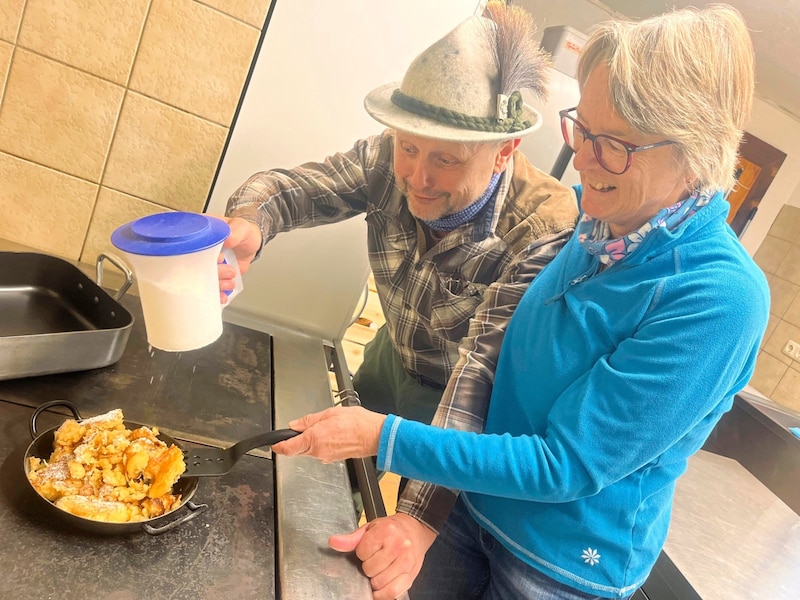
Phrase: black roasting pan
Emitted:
{"points": [[55, 319]]}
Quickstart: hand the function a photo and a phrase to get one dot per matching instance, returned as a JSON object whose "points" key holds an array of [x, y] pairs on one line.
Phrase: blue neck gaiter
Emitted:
{"points": [[456, 220]]}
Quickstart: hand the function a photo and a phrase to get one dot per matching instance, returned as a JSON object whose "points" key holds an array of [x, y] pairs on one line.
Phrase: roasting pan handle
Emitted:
{"points": [[194, 510], [117, 262]]}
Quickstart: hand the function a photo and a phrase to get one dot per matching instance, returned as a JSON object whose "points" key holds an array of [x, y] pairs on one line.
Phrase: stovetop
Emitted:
{"points": [[218, 394]]}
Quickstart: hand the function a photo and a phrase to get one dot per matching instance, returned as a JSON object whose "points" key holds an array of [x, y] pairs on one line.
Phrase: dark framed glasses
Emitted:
{"points": [[613, 154]]}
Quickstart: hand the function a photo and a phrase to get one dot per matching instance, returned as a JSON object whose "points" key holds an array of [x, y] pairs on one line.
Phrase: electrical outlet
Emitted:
{"points": [[792, 350]]}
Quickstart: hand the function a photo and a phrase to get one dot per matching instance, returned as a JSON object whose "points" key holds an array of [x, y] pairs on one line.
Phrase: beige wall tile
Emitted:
{"points": [[5, 63], [44, 209], [768, 373], [10, 14], [179, 64], [163, 154], [786, 224], [249, 11], [58, 116], [783, 333], [112, 210], [771, 253], [99, 37], [790, 267], [792, 314], [782, 294], [787, 392]]}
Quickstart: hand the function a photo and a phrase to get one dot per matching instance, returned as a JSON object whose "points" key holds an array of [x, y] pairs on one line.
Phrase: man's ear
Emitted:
{"points": [[504, 152]]}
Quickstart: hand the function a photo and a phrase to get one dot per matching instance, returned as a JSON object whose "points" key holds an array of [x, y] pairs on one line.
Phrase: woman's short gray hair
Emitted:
{"points": [[686, 75]]}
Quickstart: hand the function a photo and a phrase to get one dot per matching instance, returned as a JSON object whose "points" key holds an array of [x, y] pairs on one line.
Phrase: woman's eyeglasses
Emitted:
{"points": [[613, 154]]}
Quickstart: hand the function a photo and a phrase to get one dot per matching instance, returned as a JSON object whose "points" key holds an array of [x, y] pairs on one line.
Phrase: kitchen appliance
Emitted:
{"points": [[55, 319], [174, 256]]}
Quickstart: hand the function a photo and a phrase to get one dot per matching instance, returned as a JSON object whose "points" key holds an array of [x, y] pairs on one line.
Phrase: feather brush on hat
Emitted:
{"points": [[520, 62]]}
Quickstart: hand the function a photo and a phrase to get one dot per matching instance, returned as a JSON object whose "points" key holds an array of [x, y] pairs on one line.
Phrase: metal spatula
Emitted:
{"points": [[210, 462]]}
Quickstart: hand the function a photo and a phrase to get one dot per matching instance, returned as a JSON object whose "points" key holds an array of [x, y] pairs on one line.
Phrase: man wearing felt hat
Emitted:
{"points": [[459, 222]]}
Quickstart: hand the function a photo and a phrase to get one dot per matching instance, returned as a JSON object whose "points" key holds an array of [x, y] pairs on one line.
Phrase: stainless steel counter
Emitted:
{"points": [[314, 500]]}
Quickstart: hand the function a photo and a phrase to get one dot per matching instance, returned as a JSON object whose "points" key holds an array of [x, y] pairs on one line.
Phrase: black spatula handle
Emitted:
{"points": [[263, 439]]}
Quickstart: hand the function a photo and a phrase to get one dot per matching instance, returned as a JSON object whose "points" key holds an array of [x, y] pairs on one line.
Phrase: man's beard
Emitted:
{"points": [[436, 209]]}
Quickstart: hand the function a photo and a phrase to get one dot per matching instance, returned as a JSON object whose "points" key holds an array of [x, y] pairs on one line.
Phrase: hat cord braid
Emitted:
{"points": [[511, 124]]}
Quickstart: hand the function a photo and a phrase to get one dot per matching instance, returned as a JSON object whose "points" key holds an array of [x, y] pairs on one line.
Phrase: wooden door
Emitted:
{"points": [[758, 164]]}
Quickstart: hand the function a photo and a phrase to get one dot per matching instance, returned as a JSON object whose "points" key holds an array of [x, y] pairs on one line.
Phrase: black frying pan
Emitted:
{"points": [[42, 447]]}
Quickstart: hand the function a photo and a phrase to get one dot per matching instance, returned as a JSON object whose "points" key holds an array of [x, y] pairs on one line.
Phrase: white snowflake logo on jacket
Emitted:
{"points": [[590, 557]]}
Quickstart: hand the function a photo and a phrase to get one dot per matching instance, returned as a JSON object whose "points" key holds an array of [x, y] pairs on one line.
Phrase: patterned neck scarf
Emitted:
{"points": [[456, 220], [595, 235]]}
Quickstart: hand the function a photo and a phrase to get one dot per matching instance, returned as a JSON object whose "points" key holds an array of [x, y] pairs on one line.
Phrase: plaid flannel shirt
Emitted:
{"points": [[446, 307]]}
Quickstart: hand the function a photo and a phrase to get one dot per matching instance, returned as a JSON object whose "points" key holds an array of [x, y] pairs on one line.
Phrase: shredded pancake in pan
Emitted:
{"points": [[103, 471]]}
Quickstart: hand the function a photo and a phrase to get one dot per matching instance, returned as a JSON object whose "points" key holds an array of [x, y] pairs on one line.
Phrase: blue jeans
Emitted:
{"points": [[466, 562]]}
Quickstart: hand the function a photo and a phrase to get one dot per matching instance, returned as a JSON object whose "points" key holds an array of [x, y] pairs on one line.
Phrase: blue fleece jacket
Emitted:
{"points": [[607, 382]]}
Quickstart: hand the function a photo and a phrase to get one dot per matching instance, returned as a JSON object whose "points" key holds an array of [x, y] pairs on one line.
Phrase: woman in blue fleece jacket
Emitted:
{"points": [[619, 360]]}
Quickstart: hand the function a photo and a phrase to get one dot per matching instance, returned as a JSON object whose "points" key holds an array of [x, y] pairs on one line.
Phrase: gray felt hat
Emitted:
{"points": [[452, 92]]}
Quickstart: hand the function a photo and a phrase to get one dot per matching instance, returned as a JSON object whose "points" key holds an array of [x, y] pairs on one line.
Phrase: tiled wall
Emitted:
{"points": [[114, 109], [778, 375]]}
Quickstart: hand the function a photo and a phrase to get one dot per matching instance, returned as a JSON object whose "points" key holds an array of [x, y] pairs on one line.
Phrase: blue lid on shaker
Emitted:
{"points": [[170, 233]]}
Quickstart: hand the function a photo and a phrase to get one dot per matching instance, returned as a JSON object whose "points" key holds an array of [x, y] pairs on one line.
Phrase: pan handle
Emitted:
{"points": [[117, 262], [43, 407], [194, 510]]}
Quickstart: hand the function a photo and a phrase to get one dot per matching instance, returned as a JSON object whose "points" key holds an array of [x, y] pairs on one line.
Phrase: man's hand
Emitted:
{"points": [[391, 550], [335, 434], [245, 240]]}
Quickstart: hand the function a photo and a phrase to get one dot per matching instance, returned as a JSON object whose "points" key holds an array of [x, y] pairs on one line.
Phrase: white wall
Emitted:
{"points": [[304, 102], [580, 14]]}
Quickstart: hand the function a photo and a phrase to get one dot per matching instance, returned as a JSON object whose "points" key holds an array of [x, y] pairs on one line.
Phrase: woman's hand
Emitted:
{"points": [[335, 434], [245, 240]]}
